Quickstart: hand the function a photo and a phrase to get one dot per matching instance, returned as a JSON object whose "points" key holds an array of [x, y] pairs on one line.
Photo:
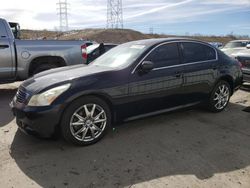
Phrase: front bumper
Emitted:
{"points": [[41, 121]]}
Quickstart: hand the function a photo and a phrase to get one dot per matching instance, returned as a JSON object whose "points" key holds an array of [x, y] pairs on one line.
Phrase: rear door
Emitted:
{"points": [[200, 67], [6, 56], [160, 88]]}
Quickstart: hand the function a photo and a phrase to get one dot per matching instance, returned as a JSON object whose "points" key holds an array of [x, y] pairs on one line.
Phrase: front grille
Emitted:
{"points": [[21, 96]]}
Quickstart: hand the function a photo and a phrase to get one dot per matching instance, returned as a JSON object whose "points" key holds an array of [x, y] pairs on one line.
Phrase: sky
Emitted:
{"points": [[181, 17]]}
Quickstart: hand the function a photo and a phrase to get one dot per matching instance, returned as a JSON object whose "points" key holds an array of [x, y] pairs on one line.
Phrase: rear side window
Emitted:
{"points": [[165, 55], [95, 52], [194, 52], [108, 47]]}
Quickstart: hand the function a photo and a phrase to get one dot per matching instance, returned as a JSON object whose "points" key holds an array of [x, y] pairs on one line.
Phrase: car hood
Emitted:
{"points": [[62, 75]]}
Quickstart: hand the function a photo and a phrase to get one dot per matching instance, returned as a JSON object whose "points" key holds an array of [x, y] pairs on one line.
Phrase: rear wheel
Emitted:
{"points": [[86, 121], [219, 97]]}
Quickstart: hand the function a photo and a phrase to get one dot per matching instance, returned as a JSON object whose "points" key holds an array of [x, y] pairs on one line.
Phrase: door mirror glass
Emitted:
{"points": [[147, 66], [248, 46]]}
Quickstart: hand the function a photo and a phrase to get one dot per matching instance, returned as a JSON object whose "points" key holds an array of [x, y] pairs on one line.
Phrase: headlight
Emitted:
{"points": [[47, 97]]}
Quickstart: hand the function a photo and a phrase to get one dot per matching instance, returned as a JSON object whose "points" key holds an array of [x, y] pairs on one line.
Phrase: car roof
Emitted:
{"points": [[155, 41]]}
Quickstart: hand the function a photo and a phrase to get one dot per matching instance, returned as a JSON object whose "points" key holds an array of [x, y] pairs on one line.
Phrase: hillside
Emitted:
{"points": [[110, 35]]}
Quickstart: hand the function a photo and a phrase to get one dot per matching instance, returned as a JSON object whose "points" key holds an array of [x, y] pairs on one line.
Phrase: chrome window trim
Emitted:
{"points": [[172, 66], [184, 64]]}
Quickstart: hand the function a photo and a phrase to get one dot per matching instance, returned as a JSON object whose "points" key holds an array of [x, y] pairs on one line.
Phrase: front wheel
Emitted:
{"points": [[220, 96], [86, 121]]}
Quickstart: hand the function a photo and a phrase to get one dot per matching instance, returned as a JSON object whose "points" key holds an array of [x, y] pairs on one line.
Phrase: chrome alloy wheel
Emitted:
{"points": [[221, 96], [88, 122]]}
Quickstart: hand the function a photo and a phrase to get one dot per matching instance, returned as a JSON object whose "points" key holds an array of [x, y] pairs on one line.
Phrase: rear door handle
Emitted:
{"points": [[4, 46], [214, 67]]}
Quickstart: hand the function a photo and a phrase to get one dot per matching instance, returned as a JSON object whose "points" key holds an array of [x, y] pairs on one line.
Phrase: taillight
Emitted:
{"points": [[240, 64], [84, 51]]}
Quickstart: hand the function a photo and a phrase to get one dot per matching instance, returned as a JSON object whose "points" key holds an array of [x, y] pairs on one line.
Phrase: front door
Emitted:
{"points": [[6, 55], [159, 88]]}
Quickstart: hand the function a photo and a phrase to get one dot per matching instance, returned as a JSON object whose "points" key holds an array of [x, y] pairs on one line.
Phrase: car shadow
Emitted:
{"points": [[192, 142], [6, 116]]}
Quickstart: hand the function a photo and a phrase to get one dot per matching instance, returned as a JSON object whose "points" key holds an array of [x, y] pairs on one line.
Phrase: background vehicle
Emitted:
{"points": [[96, 50], [131, 81], [244, 58], [235, 46], [21, 59], [216, 44]]}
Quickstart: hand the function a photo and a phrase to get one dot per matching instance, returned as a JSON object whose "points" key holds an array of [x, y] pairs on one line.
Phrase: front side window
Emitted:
{"points": [[164, 55], [195, 52]]}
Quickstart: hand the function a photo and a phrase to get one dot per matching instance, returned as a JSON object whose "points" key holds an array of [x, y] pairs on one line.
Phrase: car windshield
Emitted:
{"points": [[92, 47], [236, 44], [121, 56]]}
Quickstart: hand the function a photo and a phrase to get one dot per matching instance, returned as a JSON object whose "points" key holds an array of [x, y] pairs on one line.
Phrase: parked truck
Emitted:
{"points": [[20, 59]]}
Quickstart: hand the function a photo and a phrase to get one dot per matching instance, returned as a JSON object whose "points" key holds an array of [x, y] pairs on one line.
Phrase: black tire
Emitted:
{"points": [[212, 103], [43, 67], [66, 128]]}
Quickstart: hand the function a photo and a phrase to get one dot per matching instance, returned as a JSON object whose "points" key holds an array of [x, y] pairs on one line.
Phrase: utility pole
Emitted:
{"points": [[114, 14], [151, 30], [63, 14]]}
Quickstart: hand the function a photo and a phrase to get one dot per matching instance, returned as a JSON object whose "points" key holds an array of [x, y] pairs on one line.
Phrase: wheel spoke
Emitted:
{"points": [[99, 120], [79, 117], [93, 110], [92, 132], [98, 116], [218, 104], [77, 123], [86, 110], [216, 96], [79, 131], [96, 128], [84, 133], [222, 89], [226, 92]]}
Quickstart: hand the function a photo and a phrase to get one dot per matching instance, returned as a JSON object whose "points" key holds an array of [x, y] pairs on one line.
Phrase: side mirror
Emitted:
{"points": [[248, 46], [147, 66]]}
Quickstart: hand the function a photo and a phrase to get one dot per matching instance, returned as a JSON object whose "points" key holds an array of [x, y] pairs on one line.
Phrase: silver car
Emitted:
{"points": [[235, 46], [243, 57]]}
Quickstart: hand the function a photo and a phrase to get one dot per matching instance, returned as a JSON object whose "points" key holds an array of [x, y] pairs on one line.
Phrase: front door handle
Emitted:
{"points": [[178, 74], [4, 46]]}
